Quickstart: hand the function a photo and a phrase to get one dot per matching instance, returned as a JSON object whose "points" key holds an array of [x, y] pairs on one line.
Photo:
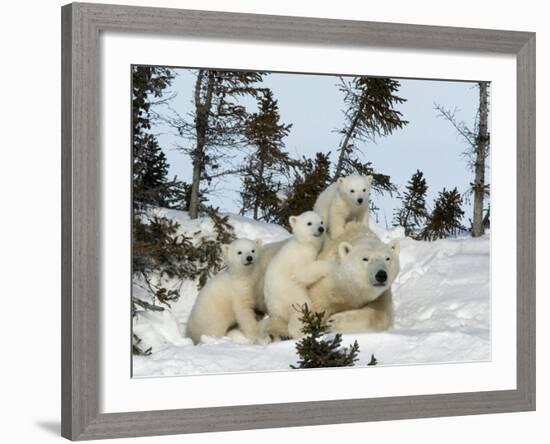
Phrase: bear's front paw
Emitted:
{"points": [[263, 340], [278, 338], [336, 323]]}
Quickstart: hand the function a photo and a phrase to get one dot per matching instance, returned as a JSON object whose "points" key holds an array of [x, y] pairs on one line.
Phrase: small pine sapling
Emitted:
{"points": [[137, 350], [373, 360], [445, 219], [160, 251], [314, 351], [413, 212]]}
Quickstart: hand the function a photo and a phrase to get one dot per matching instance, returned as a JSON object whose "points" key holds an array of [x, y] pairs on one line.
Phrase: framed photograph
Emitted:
{"points": [[278, 221]]}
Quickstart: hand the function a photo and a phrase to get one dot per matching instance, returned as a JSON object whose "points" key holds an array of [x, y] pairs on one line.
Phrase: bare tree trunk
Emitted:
{"points": [[261, 168], [255, 216], [482, 143], [195, 184], [344, 145], [202, 111]]}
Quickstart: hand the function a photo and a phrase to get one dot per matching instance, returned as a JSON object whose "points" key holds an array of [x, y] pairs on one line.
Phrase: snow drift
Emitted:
{"points": [[441, 298]]}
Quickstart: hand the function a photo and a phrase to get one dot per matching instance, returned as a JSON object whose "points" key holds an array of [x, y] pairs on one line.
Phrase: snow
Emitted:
{"points": [[441, 298]]}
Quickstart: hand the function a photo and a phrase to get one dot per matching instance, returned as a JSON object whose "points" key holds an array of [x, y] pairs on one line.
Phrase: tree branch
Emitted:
{"points": [[460, 127]]}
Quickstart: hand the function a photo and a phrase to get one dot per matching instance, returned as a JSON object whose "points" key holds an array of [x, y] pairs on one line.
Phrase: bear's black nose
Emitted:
{"points": [[381, 276], [249, 258], [321, 230], [360, 200]]}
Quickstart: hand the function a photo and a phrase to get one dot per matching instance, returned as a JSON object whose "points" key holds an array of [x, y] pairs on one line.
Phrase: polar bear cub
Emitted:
{"points": [[228, 298], [293, 269], [344, 201]]}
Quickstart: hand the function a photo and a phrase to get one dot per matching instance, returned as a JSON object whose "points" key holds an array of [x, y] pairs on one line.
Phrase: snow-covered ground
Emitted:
{"points": [[442, 311]]}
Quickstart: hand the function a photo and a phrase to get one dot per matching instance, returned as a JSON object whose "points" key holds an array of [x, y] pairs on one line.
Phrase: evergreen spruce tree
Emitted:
{"points": [[150, 171], [150, 168], [370, 113], [215, 129], [315, 352], [158, 249], [137, 349], [310, 178], [445, 219], [413, 212], [150, 185], [268, 164]]}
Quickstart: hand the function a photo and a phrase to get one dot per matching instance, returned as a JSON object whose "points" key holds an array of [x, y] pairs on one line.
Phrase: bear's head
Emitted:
{"points": [[355, 190], [369, 267], [308, 228], [241, 254]]}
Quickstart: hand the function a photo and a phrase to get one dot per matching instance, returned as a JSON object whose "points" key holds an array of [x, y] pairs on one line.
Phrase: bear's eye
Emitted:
{"points": [[388, 258], [352, 191], [365, 259], [252, 251], [364, 190], [239, 252], [309, 223], [322, 222]]}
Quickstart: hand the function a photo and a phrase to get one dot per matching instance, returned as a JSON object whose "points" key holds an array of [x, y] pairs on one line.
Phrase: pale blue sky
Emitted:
{"points": [[313, 104]]}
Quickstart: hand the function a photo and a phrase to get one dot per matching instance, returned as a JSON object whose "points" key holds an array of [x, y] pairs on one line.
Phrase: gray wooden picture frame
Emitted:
{"points": [[81, 232]]}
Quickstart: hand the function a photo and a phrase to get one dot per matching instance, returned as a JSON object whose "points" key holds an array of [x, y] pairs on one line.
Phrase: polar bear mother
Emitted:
{"points": [[356, 295]]}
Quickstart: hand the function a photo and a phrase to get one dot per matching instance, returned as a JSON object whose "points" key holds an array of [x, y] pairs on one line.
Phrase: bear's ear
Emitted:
{"points": [[258, 242], [344, 249], [225, 250], [340, 181], [292, 221], [369, 179], [394, 246]]}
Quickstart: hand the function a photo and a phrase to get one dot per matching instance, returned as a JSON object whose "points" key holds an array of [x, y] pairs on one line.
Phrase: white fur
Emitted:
{"points": [[228, 298], [266, 254], [355, 296], [346, 295], [293, 269], [344, 201]]}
